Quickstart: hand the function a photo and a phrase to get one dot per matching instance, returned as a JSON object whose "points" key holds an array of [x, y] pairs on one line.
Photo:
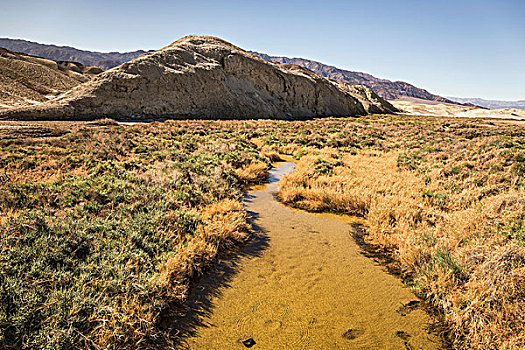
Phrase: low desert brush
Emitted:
{"points": [[450, 208], [104, 230]]}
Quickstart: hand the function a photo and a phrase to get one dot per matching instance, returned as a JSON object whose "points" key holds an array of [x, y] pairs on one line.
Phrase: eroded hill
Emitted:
{"points": [[206, 77], [30, 80]]}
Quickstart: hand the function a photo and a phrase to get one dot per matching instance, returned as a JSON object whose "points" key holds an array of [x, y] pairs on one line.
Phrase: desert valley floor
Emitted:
{"points": [[108, 228]]}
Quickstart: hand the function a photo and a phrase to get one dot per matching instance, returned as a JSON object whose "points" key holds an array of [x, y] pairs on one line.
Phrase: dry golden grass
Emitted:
{"points": [[105, 230], [270, 154], [445, 239], [224, 226], [445, 196], [252, 172]]}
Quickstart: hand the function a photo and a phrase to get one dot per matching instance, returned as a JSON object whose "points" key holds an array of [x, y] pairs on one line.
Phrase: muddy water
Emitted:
{"points": [[304, 284]]}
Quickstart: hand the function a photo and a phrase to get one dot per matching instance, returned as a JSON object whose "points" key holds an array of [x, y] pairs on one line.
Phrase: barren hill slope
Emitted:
{"points": [[206, 77], [390, 90], [26, 79]]}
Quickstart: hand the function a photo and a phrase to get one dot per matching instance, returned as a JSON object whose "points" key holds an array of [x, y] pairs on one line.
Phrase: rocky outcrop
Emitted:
{"points": [[206, 77]]}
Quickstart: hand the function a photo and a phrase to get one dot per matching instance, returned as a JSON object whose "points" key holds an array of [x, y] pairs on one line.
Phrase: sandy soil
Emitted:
{"points": [[450, 110], [310, 287]]}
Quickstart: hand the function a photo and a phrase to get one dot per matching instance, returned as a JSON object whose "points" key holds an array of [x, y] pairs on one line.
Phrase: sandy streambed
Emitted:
{"points": [[303, 284]]}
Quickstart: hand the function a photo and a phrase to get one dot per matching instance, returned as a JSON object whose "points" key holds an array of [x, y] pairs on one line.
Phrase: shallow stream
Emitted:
{"points": [[303, 283]]}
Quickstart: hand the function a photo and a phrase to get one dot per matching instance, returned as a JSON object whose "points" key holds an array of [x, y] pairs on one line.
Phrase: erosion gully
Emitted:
{"points": [[303, 283]]}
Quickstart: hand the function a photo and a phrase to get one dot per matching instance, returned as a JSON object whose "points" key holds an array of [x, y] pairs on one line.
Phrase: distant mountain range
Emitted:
{"points": [[104, 60], [390, 90], [491, 104], [387, 89]]}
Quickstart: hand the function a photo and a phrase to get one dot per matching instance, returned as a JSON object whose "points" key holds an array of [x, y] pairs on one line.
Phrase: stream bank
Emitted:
{"points": [[303, 283]]}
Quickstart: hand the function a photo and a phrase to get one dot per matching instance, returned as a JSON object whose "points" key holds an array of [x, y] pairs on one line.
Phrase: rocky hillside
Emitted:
{"points": [[206, 77], [390, 90], [385, 88], [27, 80], [104, 60]]}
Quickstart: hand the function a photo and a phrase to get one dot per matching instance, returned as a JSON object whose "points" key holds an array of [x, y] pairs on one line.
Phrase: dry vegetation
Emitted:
{"points": [[105, 229], [445, 197]]}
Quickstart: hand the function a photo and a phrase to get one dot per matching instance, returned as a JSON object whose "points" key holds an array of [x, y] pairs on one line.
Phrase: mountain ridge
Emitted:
{"points": [[390, 90], [206, 77], [104, 60], [383, 87]]}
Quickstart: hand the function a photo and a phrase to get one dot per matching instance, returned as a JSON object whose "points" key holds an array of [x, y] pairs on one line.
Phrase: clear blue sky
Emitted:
{"points": [[461, 48]]}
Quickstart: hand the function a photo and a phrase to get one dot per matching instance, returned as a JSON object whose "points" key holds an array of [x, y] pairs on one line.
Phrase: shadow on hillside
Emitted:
{"points": [[199, 303]]}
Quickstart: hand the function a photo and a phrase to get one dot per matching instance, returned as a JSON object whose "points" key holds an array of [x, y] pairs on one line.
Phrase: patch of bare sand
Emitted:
{"points": [[450, 110]]}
